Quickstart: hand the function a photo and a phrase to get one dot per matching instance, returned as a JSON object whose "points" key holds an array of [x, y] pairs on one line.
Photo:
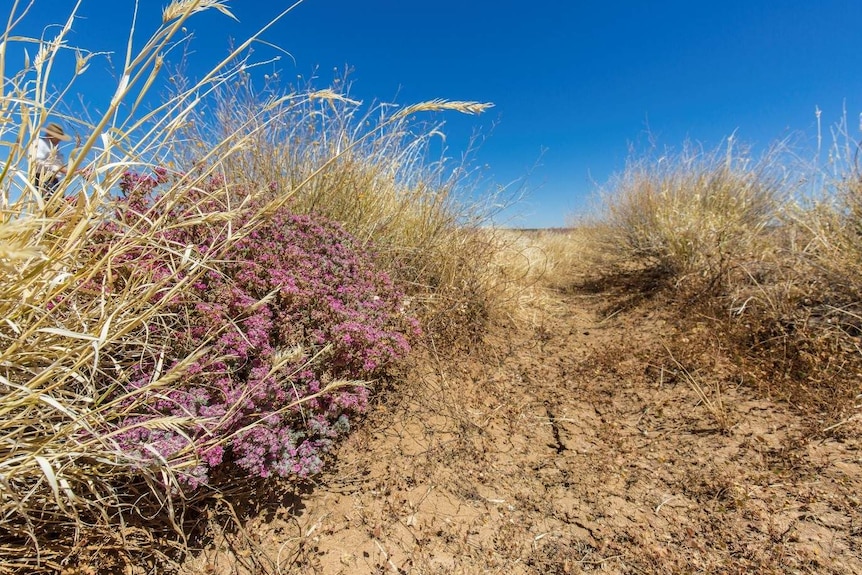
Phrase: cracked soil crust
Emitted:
{"points": [[573, 445]]}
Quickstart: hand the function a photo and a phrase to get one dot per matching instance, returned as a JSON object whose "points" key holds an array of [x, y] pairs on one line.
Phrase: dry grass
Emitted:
{"points": [[800, 311], [530, 267], [68, 493], [695, 216], [780, 278], [711, 400]]}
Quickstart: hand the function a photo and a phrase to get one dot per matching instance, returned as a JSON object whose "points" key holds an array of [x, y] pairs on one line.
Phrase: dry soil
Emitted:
{"points": [[590, 439]]}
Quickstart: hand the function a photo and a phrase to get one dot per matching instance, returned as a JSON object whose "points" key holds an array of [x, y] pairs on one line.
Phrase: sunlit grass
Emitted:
{"points": [[375, 171], [696, 215], [71, 338], [743, 242]]}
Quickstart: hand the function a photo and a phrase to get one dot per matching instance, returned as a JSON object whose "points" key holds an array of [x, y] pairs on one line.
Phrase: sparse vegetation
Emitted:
{"points": [[217, 299]]}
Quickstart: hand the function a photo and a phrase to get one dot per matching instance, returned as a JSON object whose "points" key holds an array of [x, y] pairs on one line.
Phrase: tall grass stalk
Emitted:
{"points": [[711, 401]]}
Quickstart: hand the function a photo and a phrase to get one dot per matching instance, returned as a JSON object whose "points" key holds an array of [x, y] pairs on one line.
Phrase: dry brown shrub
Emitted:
{"points": [[798, 313], [695, 216]]}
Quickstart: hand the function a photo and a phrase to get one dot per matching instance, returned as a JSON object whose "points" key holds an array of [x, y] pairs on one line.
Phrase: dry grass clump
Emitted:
{"points": [[833, 233], [800, 312], [84, 335], [779, 277], [695, 216]]}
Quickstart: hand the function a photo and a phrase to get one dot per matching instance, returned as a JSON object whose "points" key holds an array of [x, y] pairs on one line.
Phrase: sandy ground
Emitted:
{"points": [[576, 444]]}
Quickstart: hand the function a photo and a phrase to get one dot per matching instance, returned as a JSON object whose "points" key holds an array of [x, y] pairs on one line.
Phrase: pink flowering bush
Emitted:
{"points": [[293, 314]]}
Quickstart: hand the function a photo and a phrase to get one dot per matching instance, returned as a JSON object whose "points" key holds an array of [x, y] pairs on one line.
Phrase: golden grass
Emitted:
{"points": [[695, 216], [527, 271], [67, 490], [372, 171], [780, 277]]}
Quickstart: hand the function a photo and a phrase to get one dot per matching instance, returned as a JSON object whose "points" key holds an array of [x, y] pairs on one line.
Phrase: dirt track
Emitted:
{"points": [[573, 445]]}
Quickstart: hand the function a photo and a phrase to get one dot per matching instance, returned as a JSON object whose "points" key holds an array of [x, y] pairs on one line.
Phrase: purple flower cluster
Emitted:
{"points": [[292, 312]]}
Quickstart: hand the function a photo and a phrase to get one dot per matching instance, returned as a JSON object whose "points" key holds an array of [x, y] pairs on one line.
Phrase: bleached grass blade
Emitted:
{"points": [[50, 477], [67, 333]]}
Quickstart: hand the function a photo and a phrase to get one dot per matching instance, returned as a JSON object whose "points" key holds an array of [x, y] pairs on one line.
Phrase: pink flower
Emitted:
{"points": [[323, 292]]}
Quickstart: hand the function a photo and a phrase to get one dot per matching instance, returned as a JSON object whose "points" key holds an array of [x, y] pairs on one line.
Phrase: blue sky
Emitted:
{"points": [[574, 84]]}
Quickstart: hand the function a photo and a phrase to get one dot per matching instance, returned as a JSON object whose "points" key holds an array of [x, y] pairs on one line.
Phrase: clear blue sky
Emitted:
{"points": [[574, 83]]}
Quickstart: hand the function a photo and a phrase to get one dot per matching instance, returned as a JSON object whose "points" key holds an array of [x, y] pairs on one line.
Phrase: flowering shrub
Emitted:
{"points": [[294, 313]]}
